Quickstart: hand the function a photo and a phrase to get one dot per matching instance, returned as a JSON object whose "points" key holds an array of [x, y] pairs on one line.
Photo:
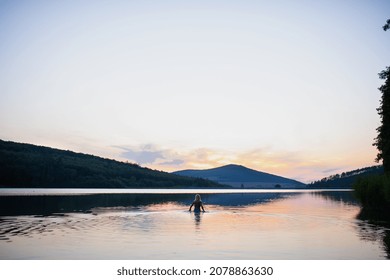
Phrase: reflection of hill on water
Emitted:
{"points": [[345, 197], [51, 204], [376, 226], [243, 199], [372, 225]]}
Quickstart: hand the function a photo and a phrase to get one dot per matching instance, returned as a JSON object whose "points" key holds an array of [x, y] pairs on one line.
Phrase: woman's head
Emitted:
{"points": [[197, 197]]}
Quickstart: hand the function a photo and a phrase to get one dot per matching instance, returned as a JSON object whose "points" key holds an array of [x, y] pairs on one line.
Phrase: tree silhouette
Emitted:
{"points": [[387, 25], [382, 141]]}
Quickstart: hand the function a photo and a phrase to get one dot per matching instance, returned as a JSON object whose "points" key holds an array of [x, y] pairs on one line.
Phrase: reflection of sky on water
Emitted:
{"points": [[48, 205], [235, 226]]}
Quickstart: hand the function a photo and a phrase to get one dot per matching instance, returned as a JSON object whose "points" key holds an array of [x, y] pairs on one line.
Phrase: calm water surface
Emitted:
{"points": [[150, 224]]}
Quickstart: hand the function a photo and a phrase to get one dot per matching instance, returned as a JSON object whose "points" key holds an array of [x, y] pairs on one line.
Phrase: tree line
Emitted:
{"points": [[346, 179], [31, 166]]}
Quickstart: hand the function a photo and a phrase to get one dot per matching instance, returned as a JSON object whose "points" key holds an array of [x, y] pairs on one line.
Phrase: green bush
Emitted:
{"points": [[373, 191]]}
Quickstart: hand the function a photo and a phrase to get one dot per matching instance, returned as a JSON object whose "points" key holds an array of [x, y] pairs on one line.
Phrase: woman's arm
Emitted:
{"points": [[191, 206]]}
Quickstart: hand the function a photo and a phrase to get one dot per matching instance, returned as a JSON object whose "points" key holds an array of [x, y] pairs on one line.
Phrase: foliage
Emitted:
{"points": [[346, 179], [373, 191], [387, 25], [382, 141], [25, 165]]}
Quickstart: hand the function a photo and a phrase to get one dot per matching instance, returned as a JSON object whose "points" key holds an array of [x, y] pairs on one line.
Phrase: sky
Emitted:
{"points": [[285, 87]]}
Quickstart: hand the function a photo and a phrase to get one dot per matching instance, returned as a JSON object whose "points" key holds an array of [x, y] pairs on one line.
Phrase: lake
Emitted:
{"points": [[156, 224]]}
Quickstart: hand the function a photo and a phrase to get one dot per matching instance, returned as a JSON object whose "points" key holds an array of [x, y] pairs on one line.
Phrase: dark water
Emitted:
{"points": [[261, 225]]}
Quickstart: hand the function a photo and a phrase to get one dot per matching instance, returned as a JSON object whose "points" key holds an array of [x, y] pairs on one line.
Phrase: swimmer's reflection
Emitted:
{"points": [[197, 219]]}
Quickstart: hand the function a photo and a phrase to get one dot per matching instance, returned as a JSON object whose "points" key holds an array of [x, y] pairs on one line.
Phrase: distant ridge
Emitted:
{"points": [[241, 176], [346, 179], [31, 166]]}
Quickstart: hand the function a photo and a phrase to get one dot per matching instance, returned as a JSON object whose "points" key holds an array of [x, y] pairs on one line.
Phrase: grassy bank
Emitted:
{"points": [[373, 192]]}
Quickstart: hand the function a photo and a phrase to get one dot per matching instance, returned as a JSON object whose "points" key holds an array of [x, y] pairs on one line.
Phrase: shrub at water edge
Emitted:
{"points": [[373, 191]]}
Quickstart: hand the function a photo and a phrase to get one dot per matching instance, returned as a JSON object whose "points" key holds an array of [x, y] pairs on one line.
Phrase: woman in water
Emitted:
{"points": [[198, 204]]}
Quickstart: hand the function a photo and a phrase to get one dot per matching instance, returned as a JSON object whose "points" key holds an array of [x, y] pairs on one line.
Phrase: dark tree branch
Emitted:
{"points": [[387, 25]]}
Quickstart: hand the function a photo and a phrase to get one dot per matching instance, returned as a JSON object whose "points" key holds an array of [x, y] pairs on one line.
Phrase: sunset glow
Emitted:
{"points": [[288, 88]]}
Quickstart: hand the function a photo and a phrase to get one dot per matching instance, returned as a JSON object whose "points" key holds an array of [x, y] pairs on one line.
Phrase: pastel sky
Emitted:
{"points": [[286, 87]]}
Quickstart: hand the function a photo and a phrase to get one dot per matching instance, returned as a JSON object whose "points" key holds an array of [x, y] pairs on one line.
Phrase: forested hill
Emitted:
{"points": [[30, 166], [346, 179], [238, 175]]}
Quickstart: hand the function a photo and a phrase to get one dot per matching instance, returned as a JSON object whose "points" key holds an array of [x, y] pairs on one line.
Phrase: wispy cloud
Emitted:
{"points": [[142, 157], [175, 162], [149, 155], [333, 170]]}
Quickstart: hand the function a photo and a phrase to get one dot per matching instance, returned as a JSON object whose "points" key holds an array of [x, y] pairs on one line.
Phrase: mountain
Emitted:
{"points": [[31, 166], [241, 176], [346, 179]]}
